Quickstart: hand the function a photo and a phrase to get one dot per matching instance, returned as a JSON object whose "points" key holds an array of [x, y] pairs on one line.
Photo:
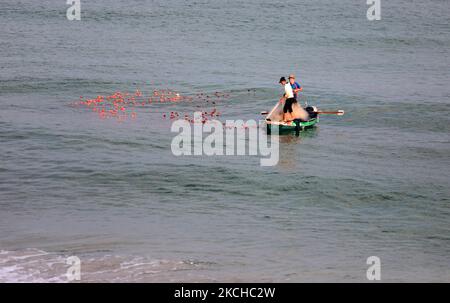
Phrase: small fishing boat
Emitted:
{"points": [[275, 119]]}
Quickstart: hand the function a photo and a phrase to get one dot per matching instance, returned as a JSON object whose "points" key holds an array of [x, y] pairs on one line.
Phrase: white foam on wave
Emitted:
{"points": [[30, 265], [37, 266]]}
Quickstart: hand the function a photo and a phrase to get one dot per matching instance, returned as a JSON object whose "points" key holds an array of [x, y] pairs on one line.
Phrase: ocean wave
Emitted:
{"points": [[38, 266]]}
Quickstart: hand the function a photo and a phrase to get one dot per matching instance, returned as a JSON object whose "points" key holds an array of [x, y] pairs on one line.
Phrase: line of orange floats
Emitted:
{"points": [[124, 105], [118, 104]]}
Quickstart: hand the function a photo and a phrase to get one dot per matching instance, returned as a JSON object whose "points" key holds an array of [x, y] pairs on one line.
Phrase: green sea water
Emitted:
{"points": [[374, 182]]}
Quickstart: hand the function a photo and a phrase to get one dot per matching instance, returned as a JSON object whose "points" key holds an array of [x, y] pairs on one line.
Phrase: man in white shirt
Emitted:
{"points": [[288, 99]]}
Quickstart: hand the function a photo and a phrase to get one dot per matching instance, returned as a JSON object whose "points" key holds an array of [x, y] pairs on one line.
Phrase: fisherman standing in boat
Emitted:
{"points": [[295, 86], [288, 99]]}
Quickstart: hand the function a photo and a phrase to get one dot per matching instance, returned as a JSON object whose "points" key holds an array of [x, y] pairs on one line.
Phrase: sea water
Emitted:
{"points": [[374, 182]]}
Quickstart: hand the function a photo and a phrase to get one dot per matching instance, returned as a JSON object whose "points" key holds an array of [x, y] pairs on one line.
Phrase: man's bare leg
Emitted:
{"points": [[287, 117]]}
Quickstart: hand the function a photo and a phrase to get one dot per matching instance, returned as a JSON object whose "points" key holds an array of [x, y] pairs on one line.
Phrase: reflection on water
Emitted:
{"points": [[290, 148]]}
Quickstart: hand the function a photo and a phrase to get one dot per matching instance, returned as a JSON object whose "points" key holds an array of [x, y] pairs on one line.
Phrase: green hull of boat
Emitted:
{"points": [[292, 128]]}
